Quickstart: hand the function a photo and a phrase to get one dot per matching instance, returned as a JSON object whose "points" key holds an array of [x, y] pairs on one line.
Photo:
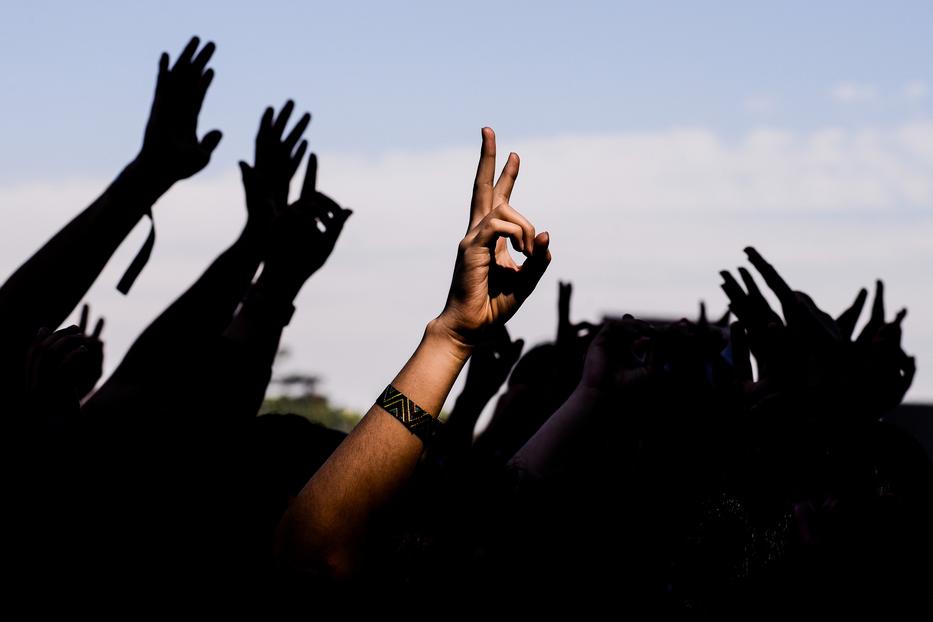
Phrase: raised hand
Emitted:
{"points": [[277, 158], [811, 350], [171, 148], [488, 286], [618, 356], [569, 333], [63, 367], [92, 367], [303, 235], [491, 363], [884, 364]]}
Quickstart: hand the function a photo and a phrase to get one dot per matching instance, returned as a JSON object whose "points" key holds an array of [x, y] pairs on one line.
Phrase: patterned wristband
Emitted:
{"points": [[418, 421]]}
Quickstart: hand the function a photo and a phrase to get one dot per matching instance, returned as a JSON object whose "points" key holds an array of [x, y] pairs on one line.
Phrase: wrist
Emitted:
{"points": [[440, 335], [145, 175], [275, 286]]}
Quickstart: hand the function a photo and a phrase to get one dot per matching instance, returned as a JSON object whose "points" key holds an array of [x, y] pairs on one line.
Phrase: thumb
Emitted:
{"points": [[246, 173], [211, 140]]}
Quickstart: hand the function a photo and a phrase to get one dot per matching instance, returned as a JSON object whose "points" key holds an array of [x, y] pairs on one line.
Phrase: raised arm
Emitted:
{"points": [[301, 239], [324, 528], [204, 311], [489, 368], [45, 289]]}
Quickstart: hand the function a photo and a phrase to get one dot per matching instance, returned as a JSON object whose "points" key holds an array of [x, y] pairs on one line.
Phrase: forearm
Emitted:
{"points": [[267, 308], [202, 312], [48, 286], [327, 523], [547, 451]]}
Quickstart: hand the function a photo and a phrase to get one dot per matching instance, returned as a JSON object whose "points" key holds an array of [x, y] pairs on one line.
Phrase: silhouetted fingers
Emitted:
{"points": [[723, 321], [82, 323], [741, 356], [278, 127], [702, 321], [292, 139], [877, 307], [754, 294], [265, 123], [309, 186], [204, 56], [849, 318], [774, 280], [481, 203], [506, 183], [185, 57], [738, 301], [203, 84], [98, 329], [211, 140], [163, 66], [564, 292], [296, 159]]}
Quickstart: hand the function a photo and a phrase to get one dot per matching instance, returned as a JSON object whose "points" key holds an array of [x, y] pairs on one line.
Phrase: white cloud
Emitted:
{"points": [[639, 221], [853, 92], [916, 90]]}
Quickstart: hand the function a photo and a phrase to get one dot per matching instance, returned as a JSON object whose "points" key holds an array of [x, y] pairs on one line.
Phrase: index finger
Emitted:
{"points": [[777, 284], [82, 323], [98, 329], [309, 186], [481, 203]]}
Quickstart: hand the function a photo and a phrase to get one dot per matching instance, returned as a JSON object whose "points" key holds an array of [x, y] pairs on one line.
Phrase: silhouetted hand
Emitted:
{"points": [[303, 235], [811, 350], [488, 286], [63, 367], [171, 149], [619, 356], [722, 322], [92, 368], [568, 333], [267, 182], [884, 364], [491, 362]]}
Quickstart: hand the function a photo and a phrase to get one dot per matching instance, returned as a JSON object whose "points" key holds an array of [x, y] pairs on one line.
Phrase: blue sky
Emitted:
{"points": [[657, 140], [77, 77]]}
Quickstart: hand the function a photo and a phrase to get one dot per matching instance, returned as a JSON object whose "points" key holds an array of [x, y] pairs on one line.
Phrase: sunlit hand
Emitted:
{"points": [[488, 287], [171, 149]]}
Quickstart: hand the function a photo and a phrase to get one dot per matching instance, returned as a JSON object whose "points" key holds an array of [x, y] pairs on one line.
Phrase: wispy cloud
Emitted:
{"points": [[853, 92], [640, 221], [916, 90]]}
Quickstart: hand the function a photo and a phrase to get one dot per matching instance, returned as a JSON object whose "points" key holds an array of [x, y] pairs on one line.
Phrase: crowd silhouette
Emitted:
{"points": [[630, 465]]}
